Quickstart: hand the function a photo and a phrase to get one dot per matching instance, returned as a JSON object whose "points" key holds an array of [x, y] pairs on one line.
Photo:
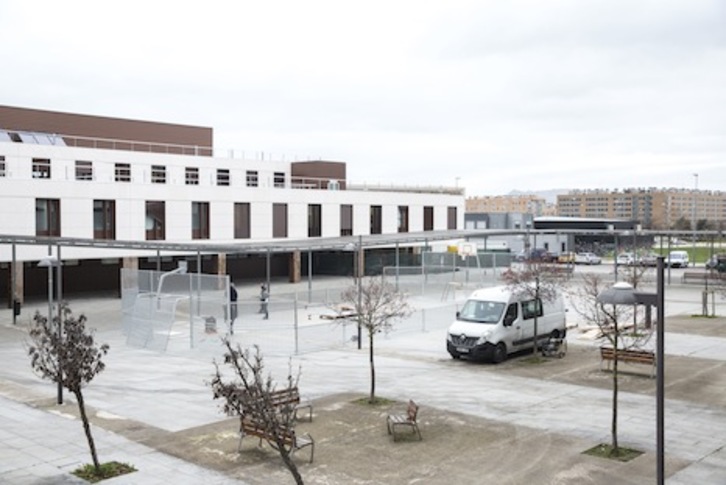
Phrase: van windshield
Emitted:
{"points": [[482, 311]]}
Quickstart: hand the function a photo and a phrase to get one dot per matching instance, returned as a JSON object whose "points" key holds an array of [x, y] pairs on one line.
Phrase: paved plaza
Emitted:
{"points": [[40, 442]]}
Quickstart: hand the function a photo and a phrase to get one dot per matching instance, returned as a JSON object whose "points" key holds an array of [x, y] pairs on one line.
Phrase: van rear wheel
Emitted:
{"points": [[500, 353]]}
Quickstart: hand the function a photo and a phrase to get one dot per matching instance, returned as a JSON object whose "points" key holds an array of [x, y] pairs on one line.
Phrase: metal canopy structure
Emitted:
{"points": [[342, 243]]}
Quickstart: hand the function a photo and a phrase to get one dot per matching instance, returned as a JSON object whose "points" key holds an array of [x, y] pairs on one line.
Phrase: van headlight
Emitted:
{"points": [[483, 339]]}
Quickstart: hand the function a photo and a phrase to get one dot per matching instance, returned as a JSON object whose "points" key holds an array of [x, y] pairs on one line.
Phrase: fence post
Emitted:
{"points": [[423, 320], [297, 349]]}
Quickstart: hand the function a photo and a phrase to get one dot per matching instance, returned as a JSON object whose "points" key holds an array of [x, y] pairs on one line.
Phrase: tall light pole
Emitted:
{"points": [[693, 217], [51, 262]]}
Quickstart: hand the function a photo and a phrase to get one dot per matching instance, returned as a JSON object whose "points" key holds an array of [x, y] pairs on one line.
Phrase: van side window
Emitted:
{"points": [[532, 308], [511, 312]]}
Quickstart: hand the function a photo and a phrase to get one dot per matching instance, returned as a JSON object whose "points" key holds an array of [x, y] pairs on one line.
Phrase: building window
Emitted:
{"points": [[158, 174], [41, 168], [104, 219], [84, 170], [314, 220], [2, 165], [191, 176], [155, 218], [346, 220], [279, 220], [279, 180], [402, 218], [428, 222], [223, 176], [200, 220], [451, 218], [376, 219], [242, 220], [47, 217], [123, 172], [252, 180]]}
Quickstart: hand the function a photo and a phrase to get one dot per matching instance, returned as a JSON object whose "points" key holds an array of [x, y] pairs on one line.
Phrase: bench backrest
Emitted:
{"points": [[254, 428], [609, 352], [283, 397], [412, 411]]}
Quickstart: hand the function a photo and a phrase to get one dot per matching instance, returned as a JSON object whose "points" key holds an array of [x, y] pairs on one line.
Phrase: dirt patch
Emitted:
{"points": [[352, 446]]}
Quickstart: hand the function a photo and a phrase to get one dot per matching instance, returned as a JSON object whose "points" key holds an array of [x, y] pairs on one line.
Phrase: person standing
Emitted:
{"points": [[232, 307], [264, 300]]}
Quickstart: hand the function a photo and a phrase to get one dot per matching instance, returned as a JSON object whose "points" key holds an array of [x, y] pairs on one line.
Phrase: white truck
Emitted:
{"points": [[495, 322]]}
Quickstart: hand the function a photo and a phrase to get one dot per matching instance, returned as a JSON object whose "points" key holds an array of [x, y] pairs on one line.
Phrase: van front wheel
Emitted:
{"points": [[500, 353]]}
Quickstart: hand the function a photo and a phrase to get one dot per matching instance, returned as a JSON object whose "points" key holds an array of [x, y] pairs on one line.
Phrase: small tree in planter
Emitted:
{"points": [[376, 306], [72, 359], [247, 393], [609, 320]]}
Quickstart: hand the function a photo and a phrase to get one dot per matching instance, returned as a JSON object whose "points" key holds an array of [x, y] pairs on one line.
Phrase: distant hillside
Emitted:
{"points": [[548, 195]]}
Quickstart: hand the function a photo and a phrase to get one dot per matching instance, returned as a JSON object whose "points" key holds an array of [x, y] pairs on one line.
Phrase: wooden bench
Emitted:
{"points": [[607, 354], [701, 276], [405, 420], [291, 440], [291, 397]]}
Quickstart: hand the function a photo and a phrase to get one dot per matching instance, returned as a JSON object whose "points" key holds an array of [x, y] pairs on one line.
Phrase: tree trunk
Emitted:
{"points": [[87, 429], [372, 398], [287, 459]]}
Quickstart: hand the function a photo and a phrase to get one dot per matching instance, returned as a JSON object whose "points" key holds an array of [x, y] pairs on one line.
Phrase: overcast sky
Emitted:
{"points": [[493, 96]]}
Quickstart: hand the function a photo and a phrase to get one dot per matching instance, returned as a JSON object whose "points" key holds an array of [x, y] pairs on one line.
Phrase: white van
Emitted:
{"points": [[495, 322], [677, 259]]}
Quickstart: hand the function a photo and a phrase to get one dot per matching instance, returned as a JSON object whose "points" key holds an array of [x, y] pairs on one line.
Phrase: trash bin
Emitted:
{"points": [[16, 307]]}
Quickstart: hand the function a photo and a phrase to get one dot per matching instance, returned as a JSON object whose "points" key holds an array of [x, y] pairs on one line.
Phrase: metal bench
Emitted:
{"points": [[405, 420]]}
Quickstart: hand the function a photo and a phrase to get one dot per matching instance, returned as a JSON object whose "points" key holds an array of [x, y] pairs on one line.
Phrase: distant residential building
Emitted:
{"points": [[525, 204], [655, 208]]}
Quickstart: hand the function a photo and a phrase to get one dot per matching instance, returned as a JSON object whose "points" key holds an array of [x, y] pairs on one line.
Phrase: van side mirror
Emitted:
{"points": [[457, 314], [508, 320]]}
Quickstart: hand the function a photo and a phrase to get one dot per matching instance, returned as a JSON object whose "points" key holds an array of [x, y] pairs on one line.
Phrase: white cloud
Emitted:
{"points": [[506, 95]]}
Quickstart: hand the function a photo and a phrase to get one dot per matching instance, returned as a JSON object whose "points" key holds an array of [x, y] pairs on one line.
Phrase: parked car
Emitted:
{"points": [[537, 254], [677, 259], [626, 259], [717, 262], [566, 257], [587, 258], [650, 259]]}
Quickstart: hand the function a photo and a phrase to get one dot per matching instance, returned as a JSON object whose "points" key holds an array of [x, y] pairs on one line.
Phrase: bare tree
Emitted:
{"points": [[536, 280], [70, 358], [608, 319], [247, 394], [376, 306]]}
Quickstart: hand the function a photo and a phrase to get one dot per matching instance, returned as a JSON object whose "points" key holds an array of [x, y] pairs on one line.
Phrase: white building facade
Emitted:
{"points": [[112, 188]]}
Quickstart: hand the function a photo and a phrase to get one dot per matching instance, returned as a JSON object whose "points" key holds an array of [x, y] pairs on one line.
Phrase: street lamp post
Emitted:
{"points": [[50, 262], [694, 224]]}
